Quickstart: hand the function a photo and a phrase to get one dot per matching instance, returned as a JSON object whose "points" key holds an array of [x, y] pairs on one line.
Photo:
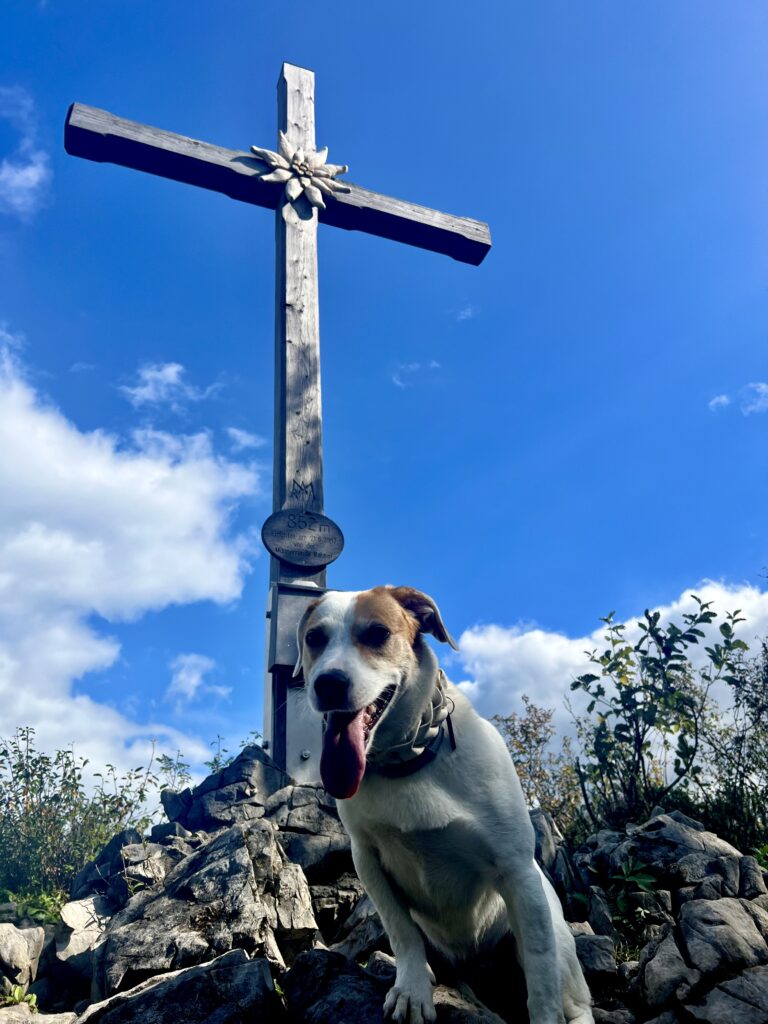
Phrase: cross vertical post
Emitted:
{"points": [[297, 481]]}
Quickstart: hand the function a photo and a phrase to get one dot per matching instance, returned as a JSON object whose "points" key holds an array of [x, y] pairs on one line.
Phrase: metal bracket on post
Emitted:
{"points": [[292, 732]]}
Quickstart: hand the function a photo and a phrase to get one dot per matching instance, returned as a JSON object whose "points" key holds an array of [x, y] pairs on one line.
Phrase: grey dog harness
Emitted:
{"points": [[422, 747]]}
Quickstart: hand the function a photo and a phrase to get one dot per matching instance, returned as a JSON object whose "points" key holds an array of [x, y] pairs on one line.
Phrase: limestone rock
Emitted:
{"points": [[326, 988], [544, 831], [229, 990], [461, 1006], [20, 950], [739, 1000], [227, 895], [666, 974], [22, 1013], [235, 794], [310, 831], [599, 913], [81, 927], [596, 956], [95, 875], [332, 904], [676, 847], [723, 934], [617, 1016], [751, 880], [362, 933]]}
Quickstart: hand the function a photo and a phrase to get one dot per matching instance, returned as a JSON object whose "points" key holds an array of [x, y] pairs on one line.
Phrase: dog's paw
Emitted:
{"points": [[410, 1004]]}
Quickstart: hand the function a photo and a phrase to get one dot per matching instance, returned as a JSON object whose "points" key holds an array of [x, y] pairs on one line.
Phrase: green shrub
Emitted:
{"points": [[50, 825]]}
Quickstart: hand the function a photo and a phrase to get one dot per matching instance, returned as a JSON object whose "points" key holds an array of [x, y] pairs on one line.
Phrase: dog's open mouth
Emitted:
{"points": [[342, 761], [374, 711]]}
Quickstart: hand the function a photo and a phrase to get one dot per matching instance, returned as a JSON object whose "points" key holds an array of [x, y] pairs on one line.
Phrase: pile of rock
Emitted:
{"points": [[706, 921], [245, 905]]}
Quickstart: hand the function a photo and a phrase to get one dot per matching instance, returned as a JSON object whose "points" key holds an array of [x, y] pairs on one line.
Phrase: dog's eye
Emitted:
{"points": [[374, 635], [315, 639]]}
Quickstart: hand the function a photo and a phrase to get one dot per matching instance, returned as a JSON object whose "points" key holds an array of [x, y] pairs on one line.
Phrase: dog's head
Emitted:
{"points": [[358, 652]]}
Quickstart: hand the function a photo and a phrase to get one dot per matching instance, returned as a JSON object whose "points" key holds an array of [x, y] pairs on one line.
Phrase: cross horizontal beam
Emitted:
{"points": [[98, 135]]}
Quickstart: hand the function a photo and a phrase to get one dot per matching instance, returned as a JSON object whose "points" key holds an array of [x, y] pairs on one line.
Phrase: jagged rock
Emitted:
{"points": [[461, 1006], [237, 793], [739, 1000], [94, 877], [725, 934], [362, 933], [596, 956], [679, 851], [310, 831], [382, 965], [324, 987], [229, 990], [564, 881], [546, 846], [332, 904], [8, 913], [618, 1016], [751, 880], [628, 971], [599, 913], [665, 974], [20, 950], [176, 804], [22, 1013], [167, 829], [229, 894], [81, 927], [595, 855], [668, 1017]]}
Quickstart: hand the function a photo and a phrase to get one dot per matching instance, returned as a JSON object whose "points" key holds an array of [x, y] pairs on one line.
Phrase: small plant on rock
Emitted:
{"points": [[17, 996]]}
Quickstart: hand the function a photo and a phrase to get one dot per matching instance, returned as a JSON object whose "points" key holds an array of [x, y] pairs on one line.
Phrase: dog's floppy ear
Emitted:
{"points": [[425, 611], [300, 635]]}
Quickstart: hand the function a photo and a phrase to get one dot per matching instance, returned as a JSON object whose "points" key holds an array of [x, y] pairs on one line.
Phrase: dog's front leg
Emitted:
{"points": [[531, 921], [410, 998]]}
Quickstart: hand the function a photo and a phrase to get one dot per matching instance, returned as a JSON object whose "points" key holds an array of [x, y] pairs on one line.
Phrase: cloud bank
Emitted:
{"points": [[92, 525], [501, 663]]}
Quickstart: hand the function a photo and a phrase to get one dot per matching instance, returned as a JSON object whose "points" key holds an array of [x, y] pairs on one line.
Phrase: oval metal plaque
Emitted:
{"points": [[301, 538]]}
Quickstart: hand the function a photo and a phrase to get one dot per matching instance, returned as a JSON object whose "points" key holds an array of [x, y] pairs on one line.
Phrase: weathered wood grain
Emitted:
{"points": [[298, 419], [98, 135]]}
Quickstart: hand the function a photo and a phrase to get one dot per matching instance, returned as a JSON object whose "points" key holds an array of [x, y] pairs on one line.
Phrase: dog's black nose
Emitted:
{"points": [[332, 690]]}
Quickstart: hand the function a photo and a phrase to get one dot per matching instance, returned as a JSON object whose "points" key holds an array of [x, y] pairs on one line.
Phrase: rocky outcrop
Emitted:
{"points": [[237, 793], [228, 990], [237, 892], [705, 922], [245, 905], [20, 950]]}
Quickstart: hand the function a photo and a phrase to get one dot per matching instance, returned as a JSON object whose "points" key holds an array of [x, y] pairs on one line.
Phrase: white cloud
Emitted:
{"points": [[754, 398], [243, 439], [405, 373], [719, 402], [94, 526], [25, 173], [188, 678], [164, 384], [504, 662]]}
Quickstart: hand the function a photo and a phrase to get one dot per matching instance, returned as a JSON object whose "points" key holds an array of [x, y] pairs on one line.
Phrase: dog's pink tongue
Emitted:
{"points": [[342, 762]]}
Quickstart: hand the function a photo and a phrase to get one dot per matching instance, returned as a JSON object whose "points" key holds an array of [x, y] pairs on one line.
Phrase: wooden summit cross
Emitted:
{"points": [[304, 189]]}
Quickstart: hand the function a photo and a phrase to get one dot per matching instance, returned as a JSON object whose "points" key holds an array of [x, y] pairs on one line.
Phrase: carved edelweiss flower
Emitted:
{"points": [[303, 173]]}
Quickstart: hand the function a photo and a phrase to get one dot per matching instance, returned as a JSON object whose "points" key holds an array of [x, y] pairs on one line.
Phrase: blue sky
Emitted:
{"points": [[578, 425]]}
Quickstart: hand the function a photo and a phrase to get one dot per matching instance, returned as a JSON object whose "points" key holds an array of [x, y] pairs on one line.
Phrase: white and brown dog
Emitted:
{"points": [[441, 836]]}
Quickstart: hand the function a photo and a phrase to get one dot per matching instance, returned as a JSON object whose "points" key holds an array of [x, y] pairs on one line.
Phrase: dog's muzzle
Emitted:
{"points": [[332, 690]]}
